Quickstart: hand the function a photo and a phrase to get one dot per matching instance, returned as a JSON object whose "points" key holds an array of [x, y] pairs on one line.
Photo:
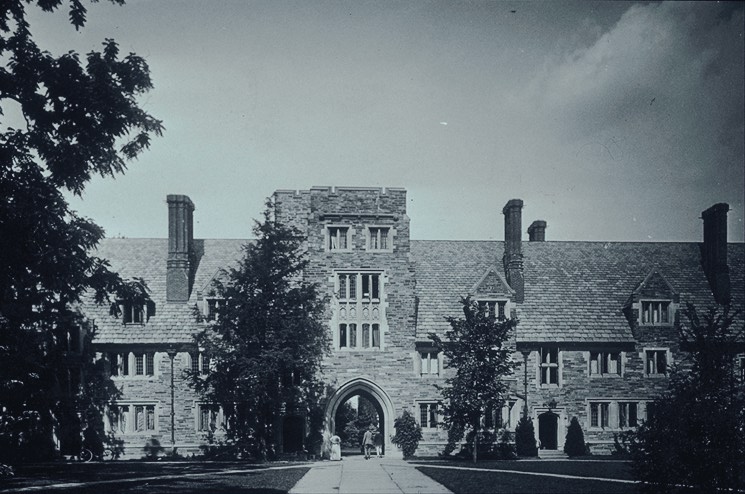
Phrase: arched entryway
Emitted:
{"points": [[371, 392], [548, 430]]}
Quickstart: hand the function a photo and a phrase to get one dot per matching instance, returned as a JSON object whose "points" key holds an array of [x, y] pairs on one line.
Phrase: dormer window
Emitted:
{"points": [[212, 305], [337, 238], [493, 308], [133, 313], [655, 312], [379, 238]]}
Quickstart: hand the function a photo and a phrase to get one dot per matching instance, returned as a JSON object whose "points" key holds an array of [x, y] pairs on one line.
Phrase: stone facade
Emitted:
{"points": [[596, 338]]}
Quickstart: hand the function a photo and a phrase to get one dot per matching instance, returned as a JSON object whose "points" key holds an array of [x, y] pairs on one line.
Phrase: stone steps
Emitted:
{"points": [[552, 454]]}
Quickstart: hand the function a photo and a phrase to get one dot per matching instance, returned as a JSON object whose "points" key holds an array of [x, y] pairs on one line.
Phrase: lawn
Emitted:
{"points": [[470, 481], [185, 477]]}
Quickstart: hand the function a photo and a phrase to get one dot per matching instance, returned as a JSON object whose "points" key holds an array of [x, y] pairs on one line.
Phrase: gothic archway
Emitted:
{"points": [[373, 393]]}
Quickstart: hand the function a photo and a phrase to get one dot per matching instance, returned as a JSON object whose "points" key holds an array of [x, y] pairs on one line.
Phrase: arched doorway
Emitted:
{"points": [[371, 392], [355, 416], [548, 429]]}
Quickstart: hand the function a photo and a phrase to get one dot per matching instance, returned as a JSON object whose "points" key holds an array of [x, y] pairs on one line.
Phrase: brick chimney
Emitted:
{"points": [[537, 231], [513, 252], [714, 251], [180, 248]]}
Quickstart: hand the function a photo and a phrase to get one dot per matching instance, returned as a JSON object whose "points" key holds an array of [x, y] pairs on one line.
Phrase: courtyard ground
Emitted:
{"points": [[353, 474]]}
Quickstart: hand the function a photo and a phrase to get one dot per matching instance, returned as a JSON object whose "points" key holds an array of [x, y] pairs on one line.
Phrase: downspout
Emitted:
{"points": [[172, 356]]}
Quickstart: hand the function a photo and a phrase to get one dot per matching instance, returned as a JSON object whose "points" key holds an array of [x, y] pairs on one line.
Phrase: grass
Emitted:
{"points": [[250, 479], [582, 468], [470, 481]]}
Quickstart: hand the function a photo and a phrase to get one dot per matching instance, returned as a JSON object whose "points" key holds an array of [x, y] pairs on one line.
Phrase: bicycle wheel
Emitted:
{"points": [[86, 455]]}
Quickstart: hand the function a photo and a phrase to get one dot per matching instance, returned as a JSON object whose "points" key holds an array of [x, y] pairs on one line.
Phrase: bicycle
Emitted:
{"points": [[86, 455]]}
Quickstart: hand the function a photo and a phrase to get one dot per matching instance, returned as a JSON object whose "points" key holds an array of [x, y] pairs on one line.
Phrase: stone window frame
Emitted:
{"points": [[502, 306], [357, 302], [128, 364], [614, 413], [669, 311], [129, 420], [390, 237], [505, 420], [540, 365], [200, 363], [220, 418], [429, 404], [133, 313], [668, 361], [210, 306], [740, 366], [605, 375], [350, 234], [438, 358]]}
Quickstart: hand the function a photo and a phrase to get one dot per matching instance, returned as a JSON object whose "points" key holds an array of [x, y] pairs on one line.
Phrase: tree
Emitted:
{"points": [[344, 422], [525, 438], [408, 434], [575, 440], [476, 347], [694, 435], [80, 118], [268, 341]]}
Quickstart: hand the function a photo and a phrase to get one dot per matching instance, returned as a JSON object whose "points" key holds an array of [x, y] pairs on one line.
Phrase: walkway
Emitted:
{"points": [[354, 474]]}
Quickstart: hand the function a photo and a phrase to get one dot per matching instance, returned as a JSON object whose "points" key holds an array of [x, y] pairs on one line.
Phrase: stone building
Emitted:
{"points": [[597, 333]]}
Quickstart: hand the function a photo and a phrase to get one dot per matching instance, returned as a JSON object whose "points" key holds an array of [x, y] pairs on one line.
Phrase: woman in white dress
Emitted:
{"points": [[335, 448]]}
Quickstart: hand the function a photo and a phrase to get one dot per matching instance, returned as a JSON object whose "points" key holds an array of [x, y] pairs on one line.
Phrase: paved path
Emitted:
{"points": [[354, 474]]}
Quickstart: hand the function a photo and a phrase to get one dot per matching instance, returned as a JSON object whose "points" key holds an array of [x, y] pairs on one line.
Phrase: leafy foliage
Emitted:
{"points": [[476, 347], [80, 118], [574, 444], [268, 341], [408, 434], [525, 438], [696, 435]]}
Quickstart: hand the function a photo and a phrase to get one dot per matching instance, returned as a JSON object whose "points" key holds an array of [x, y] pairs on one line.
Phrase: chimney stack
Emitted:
{"points": [[180, 248], [714, 251], [537, 231], [513, 254]]}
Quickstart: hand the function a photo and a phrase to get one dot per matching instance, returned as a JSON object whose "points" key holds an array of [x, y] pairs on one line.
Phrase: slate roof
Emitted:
{"points": [[146, 258], [574, 291]]}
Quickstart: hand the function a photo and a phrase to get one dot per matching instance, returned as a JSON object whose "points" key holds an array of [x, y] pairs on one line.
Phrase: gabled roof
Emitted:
{"points": [[574, 291], [492, 284], [655, 285], [146, 258]]}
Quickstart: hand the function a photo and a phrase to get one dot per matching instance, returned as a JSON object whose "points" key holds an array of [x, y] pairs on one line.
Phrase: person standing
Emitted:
{"points": [[335, 448], [367, 441], [378, 441]]}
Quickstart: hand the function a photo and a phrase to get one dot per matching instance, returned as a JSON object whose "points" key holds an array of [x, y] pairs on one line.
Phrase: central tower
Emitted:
{"points": [[359, 251]]}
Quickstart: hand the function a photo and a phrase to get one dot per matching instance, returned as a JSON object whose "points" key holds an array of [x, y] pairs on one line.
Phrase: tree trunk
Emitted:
{"points": [[475, 445]]}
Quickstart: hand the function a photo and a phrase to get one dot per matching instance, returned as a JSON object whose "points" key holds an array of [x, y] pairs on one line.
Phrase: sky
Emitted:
{"points": [[612, 121]]}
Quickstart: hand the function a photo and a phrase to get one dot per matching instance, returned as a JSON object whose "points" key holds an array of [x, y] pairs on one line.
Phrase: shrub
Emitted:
{"points": [[408, 434], [575, 440], [525, 438], [6, 471]]}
